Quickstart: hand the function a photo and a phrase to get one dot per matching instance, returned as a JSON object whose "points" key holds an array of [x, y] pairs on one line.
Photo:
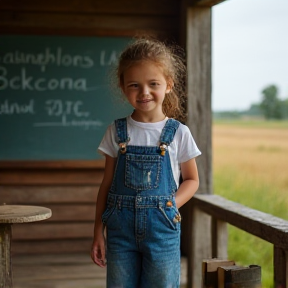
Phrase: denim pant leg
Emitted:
{"points": [[161, 251], [123, 258], [161, 270], [123, 268]]}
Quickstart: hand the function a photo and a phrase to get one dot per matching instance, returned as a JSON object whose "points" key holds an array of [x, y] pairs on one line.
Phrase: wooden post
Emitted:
{"points": [[280, 268], [198, 47], [219, 238], [199, 89], [200, 247], [5, 259]]}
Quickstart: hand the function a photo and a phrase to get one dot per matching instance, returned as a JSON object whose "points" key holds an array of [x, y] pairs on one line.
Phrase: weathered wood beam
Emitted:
{"points": [[198, 47], [124, 7], [46, 20], [47, 195], [280, 262], [219, 238], [55, 164], [5, 260], [204, 3], [53, 231], [260, 224], [50, 176], [199, 90], [200, 247], [56, 246]]}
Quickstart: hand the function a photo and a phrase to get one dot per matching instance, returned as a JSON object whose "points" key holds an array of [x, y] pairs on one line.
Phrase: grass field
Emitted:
{"points": [[250, 165]]}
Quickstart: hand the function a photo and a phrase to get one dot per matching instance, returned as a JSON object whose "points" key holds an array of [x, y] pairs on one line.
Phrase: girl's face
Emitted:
{"points": [[145, 87]]}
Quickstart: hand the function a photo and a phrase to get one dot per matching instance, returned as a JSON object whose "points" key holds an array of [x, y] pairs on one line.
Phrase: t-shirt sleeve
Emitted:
{"points": [[108, 145], [187, 147]]}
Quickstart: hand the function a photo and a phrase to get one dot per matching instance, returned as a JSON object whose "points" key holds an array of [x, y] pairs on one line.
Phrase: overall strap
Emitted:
{"points": [[122, 134], [168, 134]]}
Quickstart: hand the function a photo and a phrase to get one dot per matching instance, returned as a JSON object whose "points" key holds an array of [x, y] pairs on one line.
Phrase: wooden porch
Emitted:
{"points": [[63, 271], [69, 187], [78, 270]]}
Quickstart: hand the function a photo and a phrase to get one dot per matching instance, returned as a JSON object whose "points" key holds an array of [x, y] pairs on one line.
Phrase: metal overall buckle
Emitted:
{"points": [[163, 147], [123, 146]]}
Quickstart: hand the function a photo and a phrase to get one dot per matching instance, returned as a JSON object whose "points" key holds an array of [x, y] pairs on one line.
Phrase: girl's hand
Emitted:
{"points": [[98, 254]]}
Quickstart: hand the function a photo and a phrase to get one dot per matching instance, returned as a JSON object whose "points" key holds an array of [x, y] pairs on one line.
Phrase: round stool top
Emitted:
{"points": [[23, 213]]}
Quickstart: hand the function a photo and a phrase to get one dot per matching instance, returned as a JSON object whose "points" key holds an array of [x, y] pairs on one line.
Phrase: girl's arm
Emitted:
{"points": [[190, 182], [98, 246]]}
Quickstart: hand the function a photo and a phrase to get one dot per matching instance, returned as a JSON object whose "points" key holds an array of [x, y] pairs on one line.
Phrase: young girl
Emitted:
{"points": [[139, 197]]}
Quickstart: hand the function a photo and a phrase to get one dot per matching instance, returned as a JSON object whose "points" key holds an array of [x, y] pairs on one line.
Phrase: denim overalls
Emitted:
{"points": [[141, 218]]}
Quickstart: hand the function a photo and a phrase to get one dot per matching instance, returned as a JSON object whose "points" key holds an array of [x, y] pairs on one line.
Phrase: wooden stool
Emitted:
{"points": [[10, 214]]}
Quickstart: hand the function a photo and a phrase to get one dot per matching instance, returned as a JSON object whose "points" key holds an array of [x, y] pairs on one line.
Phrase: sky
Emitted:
{"points": [[249, 51]]}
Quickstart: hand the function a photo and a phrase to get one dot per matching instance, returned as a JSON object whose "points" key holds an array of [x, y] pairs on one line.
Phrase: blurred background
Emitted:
{"points": [[250, 116]]}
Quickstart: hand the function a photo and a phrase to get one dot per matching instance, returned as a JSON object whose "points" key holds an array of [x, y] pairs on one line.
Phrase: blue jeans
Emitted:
{"points": [[142, 220]]}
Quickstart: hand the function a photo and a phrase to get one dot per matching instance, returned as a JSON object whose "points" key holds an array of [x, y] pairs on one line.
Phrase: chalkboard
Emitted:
{"points": [[55, 96]]}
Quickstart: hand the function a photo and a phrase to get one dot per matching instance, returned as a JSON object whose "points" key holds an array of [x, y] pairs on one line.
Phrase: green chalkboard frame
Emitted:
{"points": [[64, 139]]}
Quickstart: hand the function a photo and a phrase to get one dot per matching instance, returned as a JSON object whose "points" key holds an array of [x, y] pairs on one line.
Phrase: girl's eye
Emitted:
{"points": [[154, 84], [133, 85]]}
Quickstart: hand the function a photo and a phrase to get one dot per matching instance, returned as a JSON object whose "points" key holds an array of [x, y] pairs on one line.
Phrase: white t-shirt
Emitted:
{"points": [[182, 148]]}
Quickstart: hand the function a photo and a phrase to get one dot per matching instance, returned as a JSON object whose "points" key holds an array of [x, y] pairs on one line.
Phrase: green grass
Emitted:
{"points": [[260, 191], [245, 248]]}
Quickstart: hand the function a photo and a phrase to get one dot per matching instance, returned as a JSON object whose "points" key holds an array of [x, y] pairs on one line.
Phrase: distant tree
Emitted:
{"points": [[254, 110], [271, 105], [284, 108]]}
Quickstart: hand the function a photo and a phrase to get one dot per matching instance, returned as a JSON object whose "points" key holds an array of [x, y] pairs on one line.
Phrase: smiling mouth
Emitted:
{"points": [[144, 100]]}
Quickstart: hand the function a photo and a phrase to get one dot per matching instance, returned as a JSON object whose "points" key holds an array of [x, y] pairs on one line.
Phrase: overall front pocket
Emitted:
{"points": [[142, 172], [171, 214], [107, 213]]}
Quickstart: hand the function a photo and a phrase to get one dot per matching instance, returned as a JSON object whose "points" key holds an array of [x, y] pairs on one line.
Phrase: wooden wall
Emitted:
{"points": [[90, 17], [70, 188]]}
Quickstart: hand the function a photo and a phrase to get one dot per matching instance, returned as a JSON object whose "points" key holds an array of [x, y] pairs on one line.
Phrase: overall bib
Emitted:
{"points": [[141, 217]]}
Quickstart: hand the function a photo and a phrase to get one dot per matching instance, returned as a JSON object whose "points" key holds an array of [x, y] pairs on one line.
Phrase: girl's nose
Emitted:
{"points": [[145, 91]]}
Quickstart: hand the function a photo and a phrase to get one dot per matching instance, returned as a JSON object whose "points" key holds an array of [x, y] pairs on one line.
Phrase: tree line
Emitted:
{"points": [[270, 107]]}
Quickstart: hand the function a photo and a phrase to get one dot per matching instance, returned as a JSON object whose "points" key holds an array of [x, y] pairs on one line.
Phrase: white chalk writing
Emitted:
{"points": [[48, 57], [27, 82], [86, 124], [107, 60], [58, 108], [10, 108]]}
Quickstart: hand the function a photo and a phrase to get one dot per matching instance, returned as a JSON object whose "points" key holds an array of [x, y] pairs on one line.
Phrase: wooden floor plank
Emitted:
{"points": [[63, 271]]}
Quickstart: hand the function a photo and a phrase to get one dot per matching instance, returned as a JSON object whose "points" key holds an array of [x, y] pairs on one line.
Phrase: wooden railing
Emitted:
{"points": [[262, 225]]}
